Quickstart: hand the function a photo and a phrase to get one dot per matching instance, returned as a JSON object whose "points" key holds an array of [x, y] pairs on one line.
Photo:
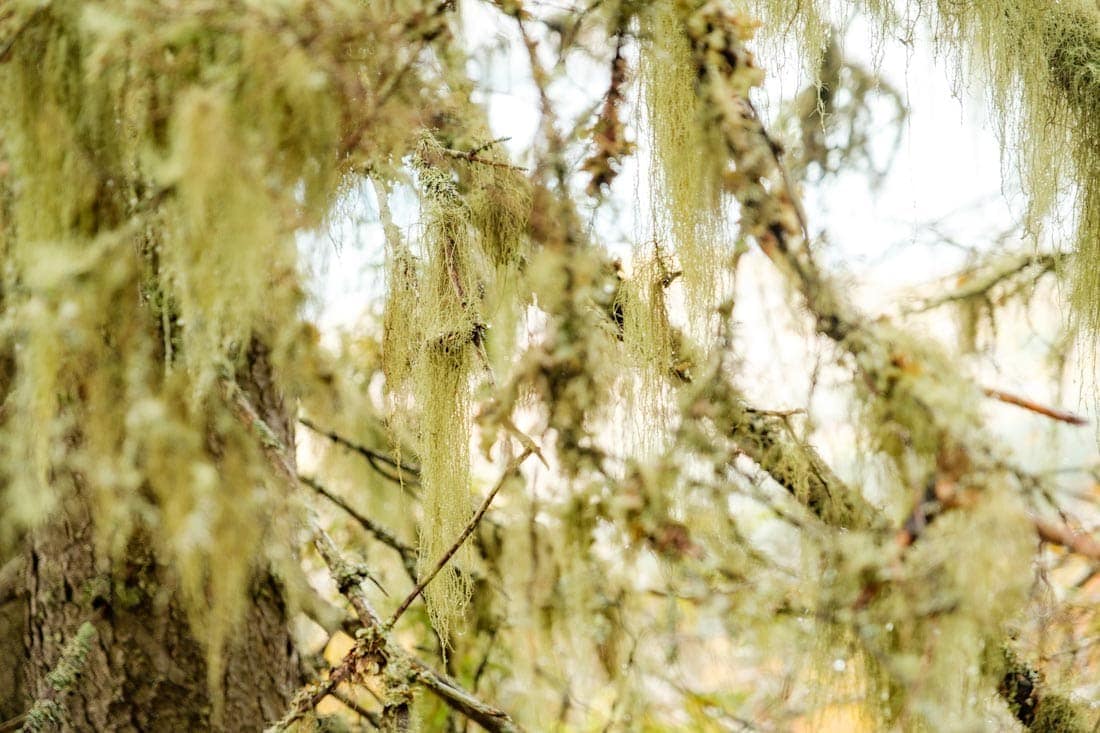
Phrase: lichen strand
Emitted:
{"points": [[685, 197], [499, 198], [651, 345], [451, 339], [1042, 64], [443, 393]]}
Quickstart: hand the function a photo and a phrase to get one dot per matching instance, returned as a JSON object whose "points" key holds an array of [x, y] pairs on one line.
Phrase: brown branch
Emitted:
{"points": [[375, 650], [1053, 414], [609, 133], [1079, 543], [470, 527]]}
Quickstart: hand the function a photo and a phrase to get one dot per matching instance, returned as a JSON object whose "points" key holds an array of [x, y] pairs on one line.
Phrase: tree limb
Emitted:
{"points": [[373, 457], [375, 650]]}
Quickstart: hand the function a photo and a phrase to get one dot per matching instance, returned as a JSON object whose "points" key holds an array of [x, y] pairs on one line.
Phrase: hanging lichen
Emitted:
{"points": [[685, 189], [163, 160], [451, 333]]}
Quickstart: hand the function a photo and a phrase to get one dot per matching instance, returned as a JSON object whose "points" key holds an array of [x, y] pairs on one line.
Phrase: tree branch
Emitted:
{"points": [[375, 650], [1053, 414], [1080, 543], [373, 457]]}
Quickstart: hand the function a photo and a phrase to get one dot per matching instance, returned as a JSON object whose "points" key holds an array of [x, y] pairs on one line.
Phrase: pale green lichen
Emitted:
{"points": [[685, 196], [158, 162]]}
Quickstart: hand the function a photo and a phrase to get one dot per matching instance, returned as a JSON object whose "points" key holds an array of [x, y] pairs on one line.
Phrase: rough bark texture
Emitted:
{"points": [[13, 605], [146, 672]]}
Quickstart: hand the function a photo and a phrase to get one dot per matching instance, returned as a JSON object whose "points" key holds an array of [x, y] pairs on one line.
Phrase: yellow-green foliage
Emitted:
{"points": [[161, 160], [687, 166]]}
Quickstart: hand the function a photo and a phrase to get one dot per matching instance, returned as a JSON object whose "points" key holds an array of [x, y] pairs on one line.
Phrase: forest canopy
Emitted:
{"points": [[534, 486]]}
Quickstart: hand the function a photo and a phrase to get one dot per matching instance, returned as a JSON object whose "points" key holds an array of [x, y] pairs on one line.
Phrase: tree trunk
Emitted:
{"points": [[13, 617], [146, 671]]}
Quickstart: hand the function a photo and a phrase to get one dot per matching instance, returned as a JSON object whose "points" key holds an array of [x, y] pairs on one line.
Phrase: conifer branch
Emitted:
{"points": [[772, 215]]}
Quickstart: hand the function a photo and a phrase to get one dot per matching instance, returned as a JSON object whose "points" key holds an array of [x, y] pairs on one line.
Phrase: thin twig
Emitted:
{"points": [[470, 527], [472, 156], [1079, 543], [362, 712], [383, 535], [1052, 413], [984, 280], [372, 456]]}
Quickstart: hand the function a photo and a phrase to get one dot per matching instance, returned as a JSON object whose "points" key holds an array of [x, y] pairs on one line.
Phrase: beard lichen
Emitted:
{"points": [[160, 161], [450, 337], [685, 193]]}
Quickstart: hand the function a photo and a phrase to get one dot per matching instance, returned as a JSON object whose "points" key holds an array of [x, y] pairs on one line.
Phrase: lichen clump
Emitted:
{"points": [[158, 163]]}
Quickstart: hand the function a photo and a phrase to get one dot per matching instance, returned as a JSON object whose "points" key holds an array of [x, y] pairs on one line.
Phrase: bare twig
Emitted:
{"points": [[470, 527], [1053, 414], [978, 284], [374, 458], [1079, 543], [474, 156], [375, 650], [383, 535], [362, 712]]}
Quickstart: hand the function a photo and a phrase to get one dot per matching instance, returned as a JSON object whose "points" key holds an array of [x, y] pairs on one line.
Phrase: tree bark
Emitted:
{"points": [[146, 671], [13, 612]]}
